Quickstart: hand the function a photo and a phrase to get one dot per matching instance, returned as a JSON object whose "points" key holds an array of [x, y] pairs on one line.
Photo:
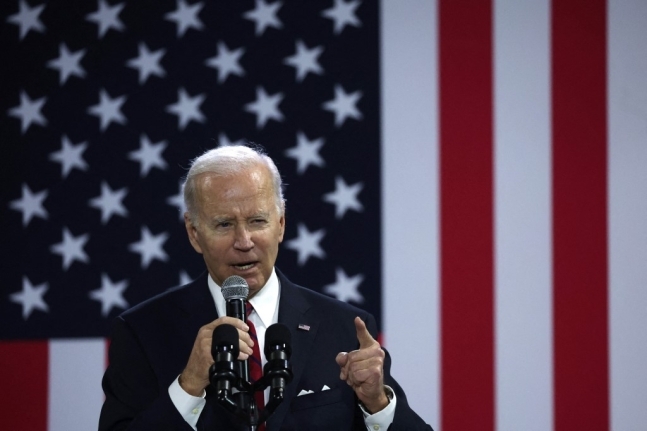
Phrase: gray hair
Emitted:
{"points": [[226, 161]]}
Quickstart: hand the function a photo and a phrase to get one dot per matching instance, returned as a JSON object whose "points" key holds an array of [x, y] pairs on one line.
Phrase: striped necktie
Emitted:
{"points": [[255, 364]]}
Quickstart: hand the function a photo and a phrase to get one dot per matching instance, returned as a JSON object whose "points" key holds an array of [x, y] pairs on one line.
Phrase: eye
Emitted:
{"points": [[223, 225]]}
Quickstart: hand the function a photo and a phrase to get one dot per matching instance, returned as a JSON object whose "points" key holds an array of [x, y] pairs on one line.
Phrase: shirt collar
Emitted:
{"points": [[265, 302]]}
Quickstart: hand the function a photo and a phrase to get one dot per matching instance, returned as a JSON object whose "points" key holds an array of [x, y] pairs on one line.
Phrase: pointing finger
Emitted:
{"points": [[363, 336]]}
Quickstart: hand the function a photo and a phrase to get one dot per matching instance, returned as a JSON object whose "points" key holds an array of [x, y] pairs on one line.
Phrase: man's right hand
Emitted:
{"points": [[195, 376]]}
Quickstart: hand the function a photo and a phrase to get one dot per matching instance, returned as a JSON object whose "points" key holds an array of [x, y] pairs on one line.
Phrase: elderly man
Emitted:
{"points": [[161, 349]]}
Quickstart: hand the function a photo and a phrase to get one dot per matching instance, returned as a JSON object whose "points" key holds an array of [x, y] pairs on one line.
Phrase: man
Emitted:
{"points": [[161, 349]]}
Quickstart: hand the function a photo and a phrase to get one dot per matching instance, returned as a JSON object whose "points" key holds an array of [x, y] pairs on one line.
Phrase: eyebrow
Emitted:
{"points": [[220, 219]]}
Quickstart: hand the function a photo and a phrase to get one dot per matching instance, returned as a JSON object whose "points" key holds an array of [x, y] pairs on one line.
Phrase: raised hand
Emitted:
{"points": [[363, 369]]}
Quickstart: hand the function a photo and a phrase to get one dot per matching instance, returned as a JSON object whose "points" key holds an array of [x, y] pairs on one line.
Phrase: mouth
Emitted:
{"points": [[244, 266]]}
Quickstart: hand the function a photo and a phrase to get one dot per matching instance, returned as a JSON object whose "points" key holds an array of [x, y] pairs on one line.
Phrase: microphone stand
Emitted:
{"points": [[223, 376]]}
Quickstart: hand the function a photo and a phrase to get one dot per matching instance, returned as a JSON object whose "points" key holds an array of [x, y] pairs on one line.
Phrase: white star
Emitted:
{"points": [[187, 108], [29, 112], [265, 107], [70, 156], [344, 197], [186, 17], [30, 204], [178, 202], [306, 244], [304, 60], [223, 141], [150, 247], [71, 248], [226, 62], [306, 152], [106, 17], [110, 294], [343, 105], [185, 278], [31, 298], [343, 14], [149, 155], [110, 202], [346, 288], [147, 63], [27, 18], [108, 109], [264, 15], [67, 63]]}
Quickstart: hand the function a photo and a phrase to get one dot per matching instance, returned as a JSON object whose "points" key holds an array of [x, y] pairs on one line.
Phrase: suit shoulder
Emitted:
{"points": [[162, 303], [326, 304], [160, 300]]}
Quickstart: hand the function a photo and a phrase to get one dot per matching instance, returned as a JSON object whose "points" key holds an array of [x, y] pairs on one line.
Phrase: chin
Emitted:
{"points": [[253, 283]]}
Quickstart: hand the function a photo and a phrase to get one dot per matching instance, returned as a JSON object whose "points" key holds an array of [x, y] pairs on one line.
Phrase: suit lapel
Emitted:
{"points": [[198, 309], [292, 313], [197, 302]]}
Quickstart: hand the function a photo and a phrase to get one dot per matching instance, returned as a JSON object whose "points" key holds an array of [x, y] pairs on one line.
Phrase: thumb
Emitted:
{"points": [[363, 336], [341, 359]]}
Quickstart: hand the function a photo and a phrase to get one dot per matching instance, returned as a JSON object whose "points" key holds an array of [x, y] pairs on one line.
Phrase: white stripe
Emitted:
{"points": [[75, 396], [523, 281], [410, 236], [627, 90]]}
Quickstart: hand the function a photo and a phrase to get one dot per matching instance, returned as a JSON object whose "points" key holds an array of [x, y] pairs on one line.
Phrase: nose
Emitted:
{"points": [[243, 240]]}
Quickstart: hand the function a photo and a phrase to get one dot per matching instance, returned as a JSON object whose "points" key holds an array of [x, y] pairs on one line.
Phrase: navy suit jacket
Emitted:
{"points": [[151, 344]]}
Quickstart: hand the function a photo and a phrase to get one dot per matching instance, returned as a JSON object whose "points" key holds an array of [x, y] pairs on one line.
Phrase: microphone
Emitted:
{"points": [[235, 290], [278, 350], [224, 350]]}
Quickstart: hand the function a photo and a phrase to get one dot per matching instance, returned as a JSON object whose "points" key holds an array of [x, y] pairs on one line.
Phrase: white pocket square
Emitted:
{"points": [[304, 392]]}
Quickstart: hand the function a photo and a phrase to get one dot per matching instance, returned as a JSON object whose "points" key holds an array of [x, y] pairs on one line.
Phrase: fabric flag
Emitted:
{"points": [[471, 169], [104, 103], [514, 212]]}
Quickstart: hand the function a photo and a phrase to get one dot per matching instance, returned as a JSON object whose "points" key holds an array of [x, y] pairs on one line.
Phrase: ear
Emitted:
{"points": [[192, 232], [281, 226]]}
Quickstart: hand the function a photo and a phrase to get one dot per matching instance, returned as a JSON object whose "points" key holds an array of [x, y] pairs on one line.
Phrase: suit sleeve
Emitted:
{"points": [[134, 398], [405, 418]]}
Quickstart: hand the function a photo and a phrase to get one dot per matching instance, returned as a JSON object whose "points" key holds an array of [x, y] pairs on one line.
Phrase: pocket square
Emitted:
{"points": [[304, 392]]}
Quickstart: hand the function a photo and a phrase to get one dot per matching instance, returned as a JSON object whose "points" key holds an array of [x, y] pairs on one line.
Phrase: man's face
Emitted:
{"points": [[239, 226]]}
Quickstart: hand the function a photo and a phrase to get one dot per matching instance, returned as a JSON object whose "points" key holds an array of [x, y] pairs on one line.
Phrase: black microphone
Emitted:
{"points": [[278, 350], [235, 290], [224, 350]]}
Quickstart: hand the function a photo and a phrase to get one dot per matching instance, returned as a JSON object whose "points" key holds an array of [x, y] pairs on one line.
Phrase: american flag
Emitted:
{"points": [[471, 172], [104, 105]]}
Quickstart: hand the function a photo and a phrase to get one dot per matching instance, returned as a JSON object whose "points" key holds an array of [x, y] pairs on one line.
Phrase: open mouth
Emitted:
{"points": [[244, 266]]}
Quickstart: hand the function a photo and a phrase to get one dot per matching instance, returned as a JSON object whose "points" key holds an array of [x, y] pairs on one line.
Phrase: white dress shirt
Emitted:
{"points": [[265, 314]]}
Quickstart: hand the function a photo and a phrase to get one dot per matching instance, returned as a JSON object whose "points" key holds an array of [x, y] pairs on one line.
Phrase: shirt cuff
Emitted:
{"points": [[384, 418], [189, 406]]}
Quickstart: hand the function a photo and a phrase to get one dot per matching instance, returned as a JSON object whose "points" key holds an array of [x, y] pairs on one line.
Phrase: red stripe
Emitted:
{"points": [[23, 373], [580, 215], [466, 215]]}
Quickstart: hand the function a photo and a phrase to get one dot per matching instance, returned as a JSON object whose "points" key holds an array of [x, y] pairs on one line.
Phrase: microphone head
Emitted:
{"points": [[235, 287], [277, 334], [224, 336]]}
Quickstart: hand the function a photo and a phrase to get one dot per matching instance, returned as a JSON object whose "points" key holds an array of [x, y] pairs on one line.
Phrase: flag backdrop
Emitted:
{"points": [[474, 173]]}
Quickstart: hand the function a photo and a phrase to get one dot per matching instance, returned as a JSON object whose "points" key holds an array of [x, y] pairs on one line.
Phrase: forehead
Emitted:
{"points": [[248, 187]]}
